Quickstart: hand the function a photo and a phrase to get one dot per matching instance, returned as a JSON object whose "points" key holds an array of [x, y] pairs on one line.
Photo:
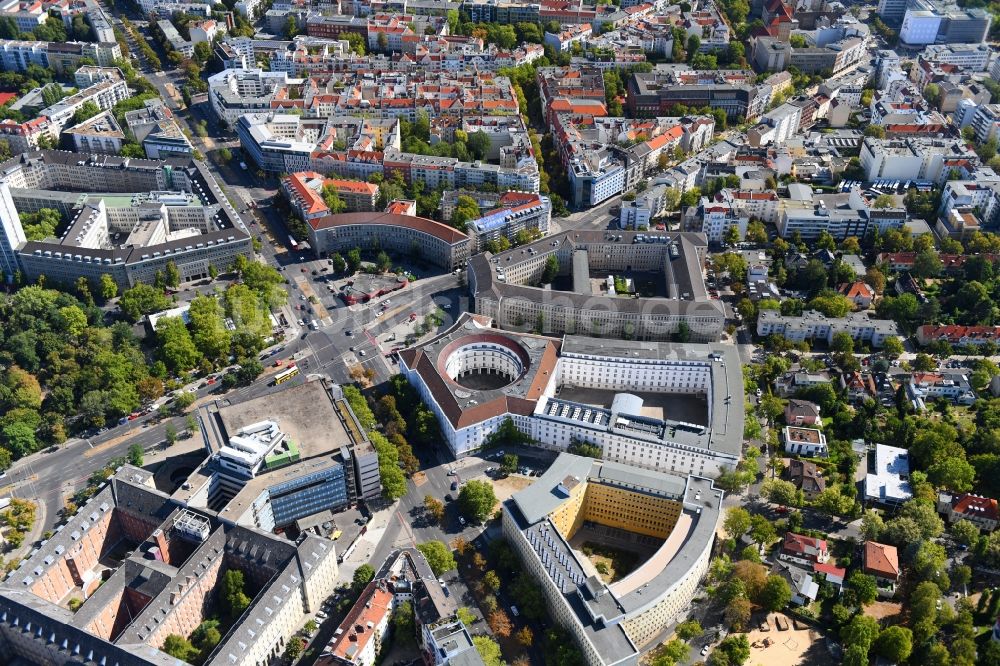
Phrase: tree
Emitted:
{"points": [[338, 263], [232, 595], [177, 349], [689, 629], [864, 587], [775, 594], [551, 269], [861, 630], [895, 644], [135, 455], [142, 299], [86, 111], [892, 347], [737, 612], [354, 260], [756, 233], [332, 199], [735, 649], [488, 649], [438, 556], [525, 636], [672, 653], [780, 491], [404, 622], [500, 623], [476, 500], [295, 646], [179, 648], [466, 210], [737, 522], [492, 580], [731, 236], [171, 275], [923, 363], [108, 287], [467, 617], [954, 473], [362, 576], [965, 532], [509, 463]]}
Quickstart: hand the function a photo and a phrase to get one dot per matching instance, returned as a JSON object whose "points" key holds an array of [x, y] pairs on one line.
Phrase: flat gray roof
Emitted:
{"points": [[724, 432]]}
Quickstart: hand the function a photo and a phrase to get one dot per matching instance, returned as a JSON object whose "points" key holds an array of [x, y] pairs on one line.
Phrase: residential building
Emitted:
{"points": [[304, 190], [156, 130], [806, 476], [986, 122], [100, 134], [515, 212], [913, 158], [802, 413], [889, 484], [924, 386], [804, 550], [958, 335], [812, 325], [978, 510], [63, 57], [167, 586], [236, 92], [839, 214], [804, 441], [105, 92], [804, 588], [859, 293], [881, 561], [174, 38], [540, 521], [360, 638]]}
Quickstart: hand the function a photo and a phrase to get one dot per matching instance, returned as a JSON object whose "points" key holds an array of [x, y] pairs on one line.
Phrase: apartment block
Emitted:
{"points": [[814, 325]]}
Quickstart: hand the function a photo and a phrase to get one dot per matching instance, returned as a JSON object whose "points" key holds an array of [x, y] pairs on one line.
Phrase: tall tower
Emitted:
{"points": [[11, 233]]}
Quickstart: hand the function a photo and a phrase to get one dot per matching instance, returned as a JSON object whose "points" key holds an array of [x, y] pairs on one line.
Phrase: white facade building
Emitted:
{"points": [[814, 325]]}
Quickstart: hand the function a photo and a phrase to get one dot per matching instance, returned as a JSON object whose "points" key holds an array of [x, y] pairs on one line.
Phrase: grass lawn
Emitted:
{"points": [[611, 563]]}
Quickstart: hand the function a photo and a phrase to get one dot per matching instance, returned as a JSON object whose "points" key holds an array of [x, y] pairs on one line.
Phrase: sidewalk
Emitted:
{"points": [[368, 542]]}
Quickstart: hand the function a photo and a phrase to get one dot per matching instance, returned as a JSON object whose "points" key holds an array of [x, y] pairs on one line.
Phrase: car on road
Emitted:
{"points": [[363, 352], [514, 611], [448, 498], [452, 472], [704, 651], [447, 306], [461, 520], [454, 485]]}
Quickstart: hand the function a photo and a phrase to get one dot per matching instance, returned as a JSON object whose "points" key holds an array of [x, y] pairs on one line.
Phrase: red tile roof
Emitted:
{"points": [[881, 559], [803, 545], [980, 507]]}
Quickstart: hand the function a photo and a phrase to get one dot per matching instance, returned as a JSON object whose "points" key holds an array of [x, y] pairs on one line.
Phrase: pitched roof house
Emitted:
{"points": [[802, 412], [804, 549]]}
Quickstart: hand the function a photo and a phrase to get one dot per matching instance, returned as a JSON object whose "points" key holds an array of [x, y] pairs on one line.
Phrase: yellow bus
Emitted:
{"points": [[285, 375]]}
